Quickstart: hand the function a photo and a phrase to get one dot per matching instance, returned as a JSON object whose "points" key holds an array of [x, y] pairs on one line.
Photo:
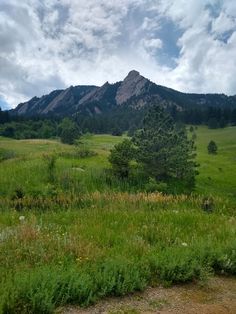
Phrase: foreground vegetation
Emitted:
{"points": [[69, 233]]}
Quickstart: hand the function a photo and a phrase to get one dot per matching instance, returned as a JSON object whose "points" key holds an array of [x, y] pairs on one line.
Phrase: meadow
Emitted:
{"points": [[71, 235]]}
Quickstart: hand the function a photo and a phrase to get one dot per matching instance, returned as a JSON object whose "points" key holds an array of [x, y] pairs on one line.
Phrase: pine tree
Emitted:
{"points": [[213, 123], [222, 123], [164, 149], [233, 117]]}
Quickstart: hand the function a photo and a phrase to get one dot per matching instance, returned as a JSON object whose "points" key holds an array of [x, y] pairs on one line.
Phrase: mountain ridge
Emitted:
{"points": [[135, 91]]}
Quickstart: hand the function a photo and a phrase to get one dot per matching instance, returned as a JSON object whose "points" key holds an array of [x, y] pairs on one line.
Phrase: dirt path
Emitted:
{"points": [[218, 296]]}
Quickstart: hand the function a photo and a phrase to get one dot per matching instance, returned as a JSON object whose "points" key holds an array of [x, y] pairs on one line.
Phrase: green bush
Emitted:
{"points": [[212, 148], [120, 158], [154, 186]]}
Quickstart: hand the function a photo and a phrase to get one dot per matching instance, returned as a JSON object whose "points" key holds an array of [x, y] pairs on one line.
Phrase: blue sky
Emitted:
{"points": [[3, 104], [189, 45]]}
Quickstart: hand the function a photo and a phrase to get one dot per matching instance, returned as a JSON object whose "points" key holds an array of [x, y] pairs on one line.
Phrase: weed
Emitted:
{"points": [[50, 160], [208, 204]]}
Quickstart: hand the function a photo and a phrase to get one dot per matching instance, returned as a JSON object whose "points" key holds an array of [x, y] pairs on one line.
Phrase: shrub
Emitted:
{"points": [[69, 131], [208, 204], [121, 157], [191, 129], [153, 186], [212, 148], [116, 132], [18, 193]]}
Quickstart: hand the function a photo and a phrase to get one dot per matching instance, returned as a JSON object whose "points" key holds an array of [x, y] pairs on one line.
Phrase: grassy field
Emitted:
{"points": [[28, 171], [217, 172], [71, 237]]}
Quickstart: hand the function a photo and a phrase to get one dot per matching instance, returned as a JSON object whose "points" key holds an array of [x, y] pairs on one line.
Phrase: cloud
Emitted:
{"points": [[206, 62], [50, 44], [154, 43], [223, 23]]}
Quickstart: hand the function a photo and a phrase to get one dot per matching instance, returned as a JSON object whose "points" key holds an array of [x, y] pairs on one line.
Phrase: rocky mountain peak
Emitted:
{"points": [[132, 75], [132, 85]]}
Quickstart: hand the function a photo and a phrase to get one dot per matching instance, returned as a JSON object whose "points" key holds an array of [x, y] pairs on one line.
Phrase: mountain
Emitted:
{"points": [[135, 91]]}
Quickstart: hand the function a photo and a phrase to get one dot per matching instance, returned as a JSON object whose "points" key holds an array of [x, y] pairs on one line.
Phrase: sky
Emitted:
{"points": [[188, 45]]}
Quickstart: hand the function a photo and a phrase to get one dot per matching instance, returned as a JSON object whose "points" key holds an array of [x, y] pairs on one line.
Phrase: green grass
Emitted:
{"points": [[29, 171], [74, 238], [217, 172], [109, 246], [32, 148]]}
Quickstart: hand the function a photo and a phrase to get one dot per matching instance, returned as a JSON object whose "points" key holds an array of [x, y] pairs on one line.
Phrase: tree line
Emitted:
{"points": [[211, 116], [114, 122]]}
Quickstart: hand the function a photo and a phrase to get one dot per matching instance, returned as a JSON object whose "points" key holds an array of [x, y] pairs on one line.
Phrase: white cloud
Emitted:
{"points": [[223, 23], [206, 64], [184, 12], [52, 44], [154, 43]]}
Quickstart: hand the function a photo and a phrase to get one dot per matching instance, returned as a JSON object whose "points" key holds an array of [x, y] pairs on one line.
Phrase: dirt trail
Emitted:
{"points": [[218, 296]]}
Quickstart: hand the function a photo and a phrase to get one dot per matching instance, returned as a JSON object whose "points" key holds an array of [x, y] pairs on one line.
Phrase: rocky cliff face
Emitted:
{"points": [[132, 86], [135, 90]]}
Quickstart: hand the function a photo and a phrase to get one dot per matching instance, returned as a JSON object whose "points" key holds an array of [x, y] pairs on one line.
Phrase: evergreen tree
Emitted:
{"points": [[191, 129], [222, 122], [120, 158], [233, 117], [69, 131], [164, 149], [131, 130], [47, 130], [213, 123], [212, 148], [4, 117], [8, 131]]}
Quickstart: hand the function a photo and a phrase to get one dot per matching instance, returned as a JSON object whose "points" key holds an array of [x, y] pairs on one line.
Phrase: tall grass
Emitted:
{"points": [[109, 247]]}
